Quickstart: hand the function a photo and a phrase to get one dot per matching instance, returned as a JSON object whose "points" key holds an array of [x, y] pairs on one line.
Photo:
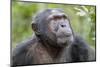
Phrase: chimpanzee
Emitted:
{"points": [[54, 42]]}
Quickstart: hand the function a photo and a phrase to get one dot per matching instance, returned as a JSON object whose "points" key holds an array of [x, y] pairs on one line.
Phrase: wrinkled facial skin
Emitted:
{"points": [[59, 27]]}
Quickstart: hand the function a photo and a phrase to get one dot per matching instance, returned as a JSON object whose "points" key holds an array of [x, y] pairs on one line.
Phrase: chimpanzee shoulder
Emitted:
{"points": [[21, 52], [80, 51]]}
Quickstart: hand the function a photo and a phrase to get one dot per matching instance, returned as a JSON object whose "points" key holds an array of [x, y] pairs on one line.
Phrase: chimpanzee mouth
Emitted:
{"points": [[64, 36], [63, 39]]}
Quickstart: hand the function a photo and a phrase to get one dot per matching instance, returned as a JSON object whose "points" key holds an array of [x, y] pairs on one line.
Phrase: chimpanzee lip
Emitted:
{"points": [[63, 36]]}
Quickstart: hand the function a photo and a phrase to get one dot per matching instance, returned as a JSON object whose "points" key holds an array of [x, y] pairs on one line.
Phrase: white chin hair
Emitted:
{"points": [[64, 40], [61, 40]]}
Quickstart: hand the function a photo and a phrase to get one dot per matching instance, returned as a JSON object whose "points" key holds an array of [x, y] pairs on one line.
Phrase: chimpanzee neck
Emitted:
{"points": [[53, 51]]}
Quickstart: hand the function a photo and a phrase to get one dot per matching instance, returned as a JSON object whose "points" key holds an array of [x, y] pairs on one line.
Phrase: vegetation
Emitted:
{"points": [[83, 19]]}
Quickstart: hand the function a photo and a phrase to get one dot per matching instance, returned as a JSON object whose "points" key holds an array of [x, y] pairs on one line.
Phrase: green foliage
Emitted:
{"points": [[82, 19], [88, 21]]}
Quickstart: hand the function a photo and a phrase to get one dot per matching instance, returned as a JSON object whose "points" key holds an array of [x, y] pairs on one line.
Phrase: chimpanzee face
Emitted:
{"points": [[53, 25], [59, 26]]}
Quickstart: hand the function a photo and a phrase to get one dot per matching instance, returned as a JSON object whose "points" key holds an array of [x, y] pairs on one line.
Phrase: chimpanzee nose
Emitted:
{"points": [[63, 25]]}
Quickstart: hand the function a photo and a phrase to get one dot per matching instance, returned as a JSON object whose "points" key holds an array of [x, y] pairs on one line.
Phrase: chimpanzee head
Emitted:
{"points": [[52, 26]]}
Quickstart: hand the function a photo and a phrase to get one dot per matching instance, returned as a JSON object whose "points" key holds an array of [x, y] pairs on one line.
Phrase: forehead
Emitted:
{"points": [[55, 11]]}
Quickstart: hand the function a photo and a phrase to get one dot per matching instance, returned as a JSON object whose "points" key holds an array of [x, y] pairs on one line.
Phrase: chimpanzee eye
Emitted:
{"points": [[57, 17], [64, 16]]}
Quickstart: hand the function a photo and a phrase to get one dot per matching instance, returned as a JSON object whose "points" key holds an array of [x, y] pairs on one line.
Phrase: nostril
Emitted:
{"points": [[63, 25]]}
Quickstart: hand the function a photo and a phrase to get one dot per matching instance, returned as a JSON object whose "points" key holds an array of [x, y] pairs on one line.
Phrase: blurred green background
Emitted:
{"points": [[83, 19]]}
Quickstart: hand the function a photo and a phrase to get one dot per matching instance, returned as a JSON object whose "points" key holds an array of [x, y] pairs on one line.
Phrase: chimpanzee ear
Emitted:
{"points": [[34, 27]]}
